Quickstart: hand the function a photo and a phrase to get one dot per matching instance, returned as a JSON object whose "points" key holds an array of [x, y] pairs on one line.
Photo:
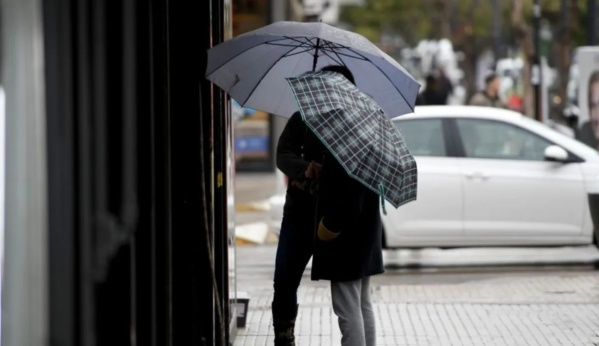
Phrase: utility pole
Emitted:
{"points": [[592, 22], [496, 30], [536, 75], [564, 19]]}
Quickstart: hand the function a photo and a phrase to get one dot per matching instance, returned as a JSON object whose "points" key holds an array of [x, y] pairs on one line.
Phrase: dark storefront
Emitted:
{"points": [[139, 171]]}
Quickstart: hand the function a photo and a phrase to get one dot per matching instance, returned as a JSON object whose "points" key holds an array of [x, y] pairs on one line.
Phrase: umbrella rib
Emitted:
{"points": [[333, 45], [265, 73], [353, 57], [302, 39], [302, 43], [298, 52], [329, 47], [252, 47], [336, 53], [289, 45], [339, 54], [340, 61]]}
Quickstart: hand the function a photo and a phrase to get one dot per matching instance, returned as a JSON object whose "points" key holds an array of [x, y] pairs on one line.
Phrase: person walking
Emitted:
{"points": [[299, 156], [490, 96], [348, 250]]}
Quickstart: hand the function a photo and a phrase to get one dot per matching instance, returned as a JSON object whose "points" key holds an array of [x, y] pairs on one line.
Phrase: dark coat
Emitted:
{"points": [[298, 146], [350, 208], [433, 97], [586, 135]]}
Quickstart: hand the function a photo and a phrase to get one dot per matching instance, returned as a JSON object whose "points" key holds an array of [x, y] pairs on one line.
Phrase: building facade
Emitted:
{"points": [[118, 171]]}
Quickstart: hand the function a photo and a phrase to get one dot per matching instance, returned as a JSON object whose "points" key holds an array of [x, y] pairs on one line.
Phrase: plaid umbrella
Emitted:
{"points": [[358, 133]]}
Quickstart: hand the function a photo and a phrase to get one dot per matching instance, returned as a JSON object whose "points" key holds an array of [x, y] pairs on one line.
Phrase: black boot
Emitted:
{"points": [[284, 325]]}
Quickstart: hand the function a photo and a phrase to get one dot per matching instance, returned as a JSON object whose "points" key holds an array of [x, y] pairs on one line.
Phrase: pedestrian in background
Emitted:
{"points": [[445, 85], [489, 97], [589, 131], [434, 93], [348, 250], [299, 156]]}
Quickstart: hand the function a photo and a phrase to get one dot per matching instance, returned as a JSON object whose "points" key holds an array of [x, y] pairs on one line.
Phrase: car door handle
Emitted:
{"points": [[477, 175]]}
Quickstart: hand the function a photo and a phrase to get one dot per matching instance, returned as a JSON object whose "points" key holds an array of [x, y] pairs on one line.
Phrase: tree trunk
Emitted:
{"points": [[523, 32], [469, 68], [564, 45], [442, 16], [466, 41]]}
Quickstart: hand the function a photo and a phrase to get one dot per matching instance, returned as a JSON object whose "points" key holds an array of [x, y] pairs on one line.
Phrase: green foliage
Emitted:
{"points": [[415, 20], [401, 17]]}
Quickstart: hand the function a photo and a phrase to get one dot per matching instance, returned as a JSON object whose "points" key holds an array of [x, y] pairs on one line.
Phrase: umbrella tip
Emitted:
{"points": [[382, 194]]}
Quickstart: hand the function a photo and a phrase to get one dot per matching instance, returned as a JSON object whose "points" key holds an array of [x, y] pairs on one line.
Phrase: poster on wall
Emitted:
{"points": [[588, 95], [253, 128]]}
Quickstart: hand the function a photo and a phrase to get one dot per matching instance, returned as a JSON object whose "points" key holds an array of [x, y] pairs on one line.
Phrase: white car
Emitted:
{"points": [[492, 177]]}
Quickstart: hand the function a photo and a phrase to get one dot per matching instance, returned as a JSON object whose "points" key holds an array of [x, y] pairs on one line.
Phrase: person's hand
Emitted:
{"points": [[326, 234], [313, 170], [297, 184]]}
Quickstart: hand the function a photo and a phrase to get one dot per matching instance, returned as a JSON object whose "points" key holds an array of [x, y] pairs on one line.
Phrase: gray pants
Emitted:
{"points": [[353, 307]]}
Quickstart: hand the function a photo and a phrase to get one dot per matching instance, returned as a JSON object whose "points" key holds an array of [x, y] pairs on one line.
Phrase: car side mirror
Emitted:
{"points": [[556, 153]]}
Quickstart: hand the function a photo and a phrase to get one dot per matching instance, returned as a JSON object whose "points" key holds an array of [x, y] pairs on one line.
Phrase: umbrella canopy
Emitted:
{"points": [[358, 133], [252, 67]]}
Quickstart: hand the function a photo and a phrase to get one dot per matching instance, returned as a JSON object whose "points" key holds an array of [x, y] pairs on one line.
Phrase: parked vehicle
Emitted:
{"points": [[492, 177]]}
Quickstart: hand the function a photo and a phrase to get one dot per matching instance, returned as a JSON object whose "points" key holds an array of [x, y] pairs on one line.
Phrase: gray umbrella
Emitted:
{"points": [[252, 67], [358, 133]]}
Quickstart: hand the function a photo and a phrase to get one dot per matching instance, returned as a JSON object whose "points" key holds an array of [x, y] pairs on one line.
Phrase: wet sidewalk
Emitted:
{"points": [[436, 306], [252, 210]]}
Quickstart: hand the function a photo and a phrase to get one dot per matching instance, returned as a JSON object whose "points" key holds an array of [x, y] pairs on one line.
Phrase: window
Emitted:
{"points": [[495, 140], [424, 137]]}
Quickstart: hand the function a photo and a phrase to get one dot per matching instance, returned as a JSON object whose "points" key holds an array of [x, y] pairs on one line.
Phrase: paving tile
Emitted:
{"points": [[554, 310]]}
